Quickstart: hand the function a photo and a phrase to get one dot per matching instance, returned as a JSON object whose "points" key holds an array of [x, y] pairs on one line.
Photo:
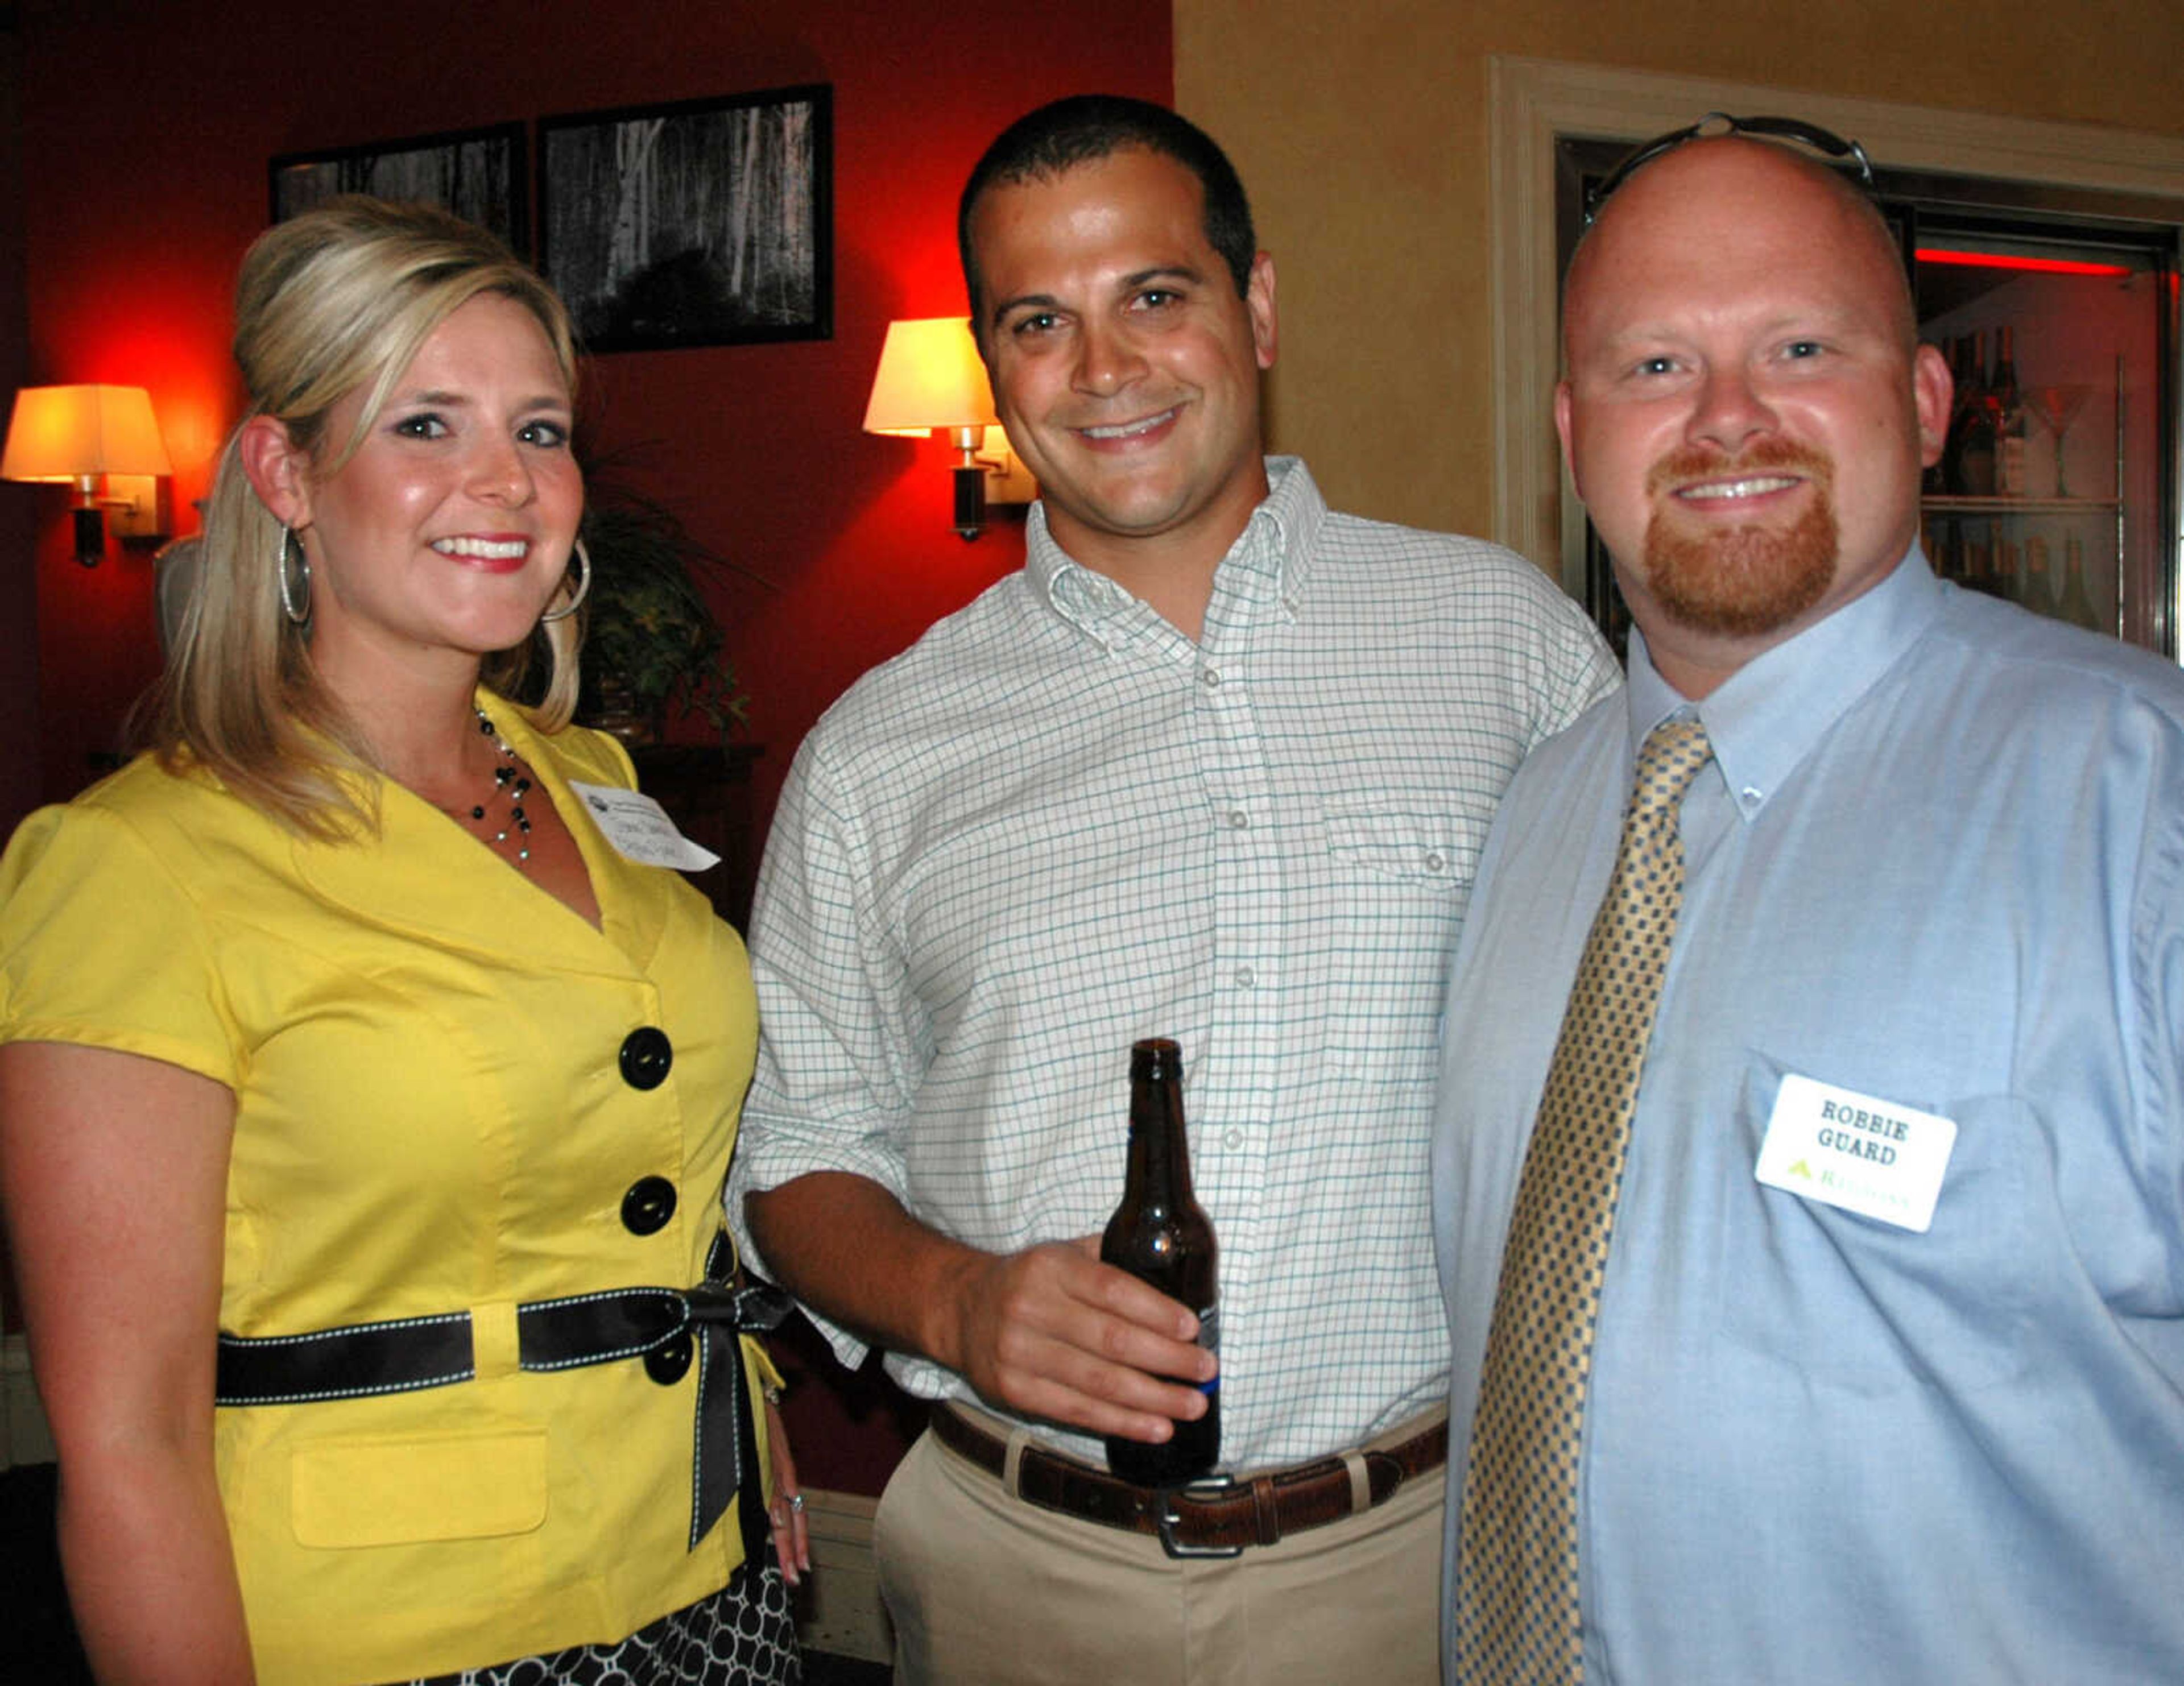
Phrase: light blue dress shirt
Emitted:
{"points": [[1938, 860]]}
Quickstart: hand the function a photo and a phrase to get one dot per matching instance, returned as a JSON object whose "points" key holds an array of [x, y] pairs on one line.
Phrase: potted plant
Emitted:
{"points": [[652, 646]]}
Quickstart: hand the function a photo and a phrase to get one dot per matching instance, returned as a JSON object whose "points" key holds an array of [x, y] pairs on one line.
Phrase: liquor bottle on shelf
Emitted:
{"points": [[2012, 423], [2004, 577], [1941, 549], [1975, 557], [2076, 605], [2039, 591], [1970, 452], [1161, 1235]]}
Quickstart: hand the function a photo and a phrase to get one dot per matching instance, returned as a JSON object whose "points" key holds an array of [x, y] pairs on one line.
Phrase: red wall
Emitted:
{"points": [[139, 205], [145, 135], [19, 505]]}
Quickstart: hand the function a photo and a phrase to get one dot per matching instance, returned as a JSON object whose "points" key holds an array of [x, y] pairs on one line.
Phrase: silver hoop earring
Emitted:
{"points": [[583, 558], [293, 571]]}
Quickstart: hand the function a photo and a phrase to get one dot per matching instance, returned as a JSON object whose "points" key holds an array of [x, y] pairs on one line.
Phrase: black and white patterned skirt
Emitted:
{"points": [[742, 1635]]}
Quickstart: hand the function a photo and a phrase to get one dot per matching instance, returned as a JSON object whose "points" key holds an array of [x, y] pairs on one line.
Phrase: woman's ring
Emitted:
{"points": [[796, 1502]]}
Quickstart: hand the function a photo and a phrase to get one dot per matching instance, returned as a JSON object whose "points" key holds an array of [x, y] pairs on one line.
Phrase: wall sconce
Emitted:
{"points": [[73, 436], [930, 378]]}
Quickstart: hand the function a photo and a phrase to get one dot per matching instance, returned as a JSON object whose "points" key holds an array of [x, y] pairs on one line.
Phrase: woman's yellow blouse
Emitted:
{"points": [[429, 1118]]}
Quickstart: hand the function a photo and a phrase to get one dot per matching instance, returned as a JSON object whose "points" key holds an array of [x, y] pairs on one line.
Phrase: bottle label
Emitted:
{"points": [[1209, 1337]]}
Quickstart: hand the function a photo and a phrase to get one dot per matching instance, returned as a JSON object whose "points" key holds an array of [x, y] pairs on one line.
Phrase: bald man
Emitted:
{"points": [[1886, 1373]]}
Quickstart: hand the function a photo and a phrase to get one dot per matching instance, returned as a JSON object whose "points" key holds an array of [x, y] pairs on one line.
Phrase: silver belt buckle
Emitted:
{"points": [[1168, 1521]]}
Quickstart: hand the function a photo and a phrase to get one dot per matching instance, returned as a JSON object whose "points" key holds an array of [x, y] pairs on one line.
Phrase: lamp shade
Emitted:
{"points": [[64, 433], [929, 377]]}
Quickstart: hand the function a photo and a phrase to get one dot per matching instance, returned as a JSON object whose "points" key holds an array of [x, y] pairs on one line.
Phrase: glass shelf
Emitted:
{"points": [[1953, 505]]}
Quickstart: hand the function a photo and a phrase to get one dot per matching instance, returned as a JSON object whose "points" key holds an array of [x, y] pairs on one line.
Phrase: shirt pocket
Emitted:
{"points": [[386, 1489], [1434, 849], [1398, 868], [1872, 1308]]}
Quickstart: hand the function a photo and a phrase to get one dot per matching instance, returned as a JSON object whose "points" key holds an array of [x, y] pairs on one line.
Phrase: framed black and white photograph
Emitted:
{"points": [[478, 173], [705, 222]]}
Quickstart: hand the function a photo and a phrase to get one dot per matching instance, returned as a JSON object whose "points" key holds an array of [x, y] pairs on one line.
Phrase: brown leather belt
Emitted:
{"points": [[1215, 1518]]}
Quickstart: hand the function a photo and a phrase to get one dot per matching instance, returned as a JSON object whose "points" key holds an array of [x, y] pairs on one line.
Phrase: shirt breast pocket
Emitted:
{"points": [[1400, 867], [1875, 1309], [1436, 849]]}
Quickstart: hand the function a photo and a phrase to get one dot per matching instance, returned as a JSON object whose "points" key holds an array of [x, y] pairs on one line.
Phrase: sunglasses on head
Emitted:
{"points": [[1712, 126]]}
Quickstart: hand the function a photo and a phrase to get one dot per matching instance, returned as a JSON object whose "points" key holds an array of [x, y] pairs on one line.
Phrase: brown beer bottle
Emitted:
{"points": [[1160, 1234]]}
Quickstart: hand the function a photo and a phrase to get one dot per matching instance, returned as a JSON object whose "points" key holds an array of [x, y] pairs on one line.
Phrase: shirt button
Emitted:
{"points": [[1435, 861], [1245, 977], [1210, 677], [648, 1205], [646, 1054], [666, 1365], [1231, 1138], [1238, 820]]}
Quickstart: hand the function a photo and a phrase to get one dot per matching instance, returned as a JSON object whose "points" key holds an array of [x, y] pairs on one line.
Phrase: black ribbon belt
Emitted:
{"points": [[406, 1354]]}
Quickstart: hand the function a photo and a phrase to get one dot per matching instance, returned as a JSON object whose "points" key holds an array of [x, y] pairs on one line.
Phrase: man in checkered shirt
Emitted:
{"points": [[1216, 765]]}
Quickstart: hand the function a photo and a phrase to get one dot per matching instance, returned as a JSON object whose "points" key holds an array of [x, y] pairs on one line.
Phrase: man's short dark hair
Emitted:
{"points": [[1085, 128]]}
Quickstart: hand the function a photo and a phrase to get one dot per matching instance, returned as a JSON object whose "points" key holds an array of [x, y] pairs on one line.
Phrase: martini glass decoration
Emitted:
{"points": [[2058, 406]]}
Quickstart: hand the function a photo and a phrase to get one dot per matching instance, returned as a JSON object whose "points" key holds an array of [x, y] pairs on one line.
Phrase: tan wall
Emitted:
{"points": [[1361, 130]]}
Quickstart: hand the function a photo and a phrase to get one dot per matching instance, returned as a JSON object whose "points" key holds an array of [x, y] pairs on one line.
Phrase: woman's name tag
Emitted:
{"points": [[639, 829]]}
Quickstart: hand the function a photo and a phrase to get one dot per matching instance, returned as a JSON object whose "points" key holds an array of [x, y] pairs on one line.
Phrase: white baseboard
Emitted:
{"points": [[838, 1609], [24, 1438]]}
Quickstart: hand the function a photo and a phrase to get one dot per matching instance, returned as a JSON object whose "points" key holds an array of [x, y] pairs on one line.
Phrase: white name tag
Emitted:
{"points": [[1865, 1155], [639, 829]]}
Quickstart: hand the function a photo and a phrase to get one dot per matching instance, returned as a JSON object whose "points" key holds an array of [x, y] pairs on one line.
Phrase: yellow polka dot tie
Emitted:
{"points": [[1517, 1592]]}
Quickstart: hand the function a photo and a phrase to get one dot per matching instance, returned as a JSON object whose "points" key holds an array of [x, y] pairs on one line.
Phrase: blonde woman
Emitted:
{"points": [[356, 1079]]}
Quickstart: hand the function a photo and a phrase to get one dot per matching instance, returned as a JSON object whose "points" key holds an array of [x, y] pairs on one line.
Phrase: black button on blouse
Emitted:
{"points": [[667, 1365], [646, 1056], [648, 1205]]}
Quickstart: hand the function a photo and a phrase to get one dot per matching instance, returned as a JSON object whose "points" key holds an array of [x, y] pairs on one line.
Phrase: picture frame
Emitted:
{"points": [[704, 222], [477, 174]]}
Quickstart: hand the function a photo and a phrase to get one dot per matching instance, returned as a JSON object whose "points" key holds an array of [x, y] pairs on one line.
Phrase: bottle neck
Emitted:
{"points": [[1159, 1171]]}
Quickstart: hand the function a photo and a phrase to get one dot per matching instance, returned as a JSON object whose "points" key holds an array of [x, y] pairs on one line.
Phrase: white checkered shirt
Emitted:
{"points": [[1057, 826]]}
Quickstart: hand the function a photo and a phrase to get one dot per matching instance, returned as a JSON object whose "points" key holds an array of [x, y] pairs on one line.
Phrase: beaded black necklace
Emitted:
{"points": [[510, 780]]}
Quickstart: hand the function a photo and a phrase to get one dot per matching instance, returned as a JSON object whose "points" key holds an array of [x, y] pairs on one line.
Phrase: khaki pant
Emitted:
{"points": [[986, 1590]]}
